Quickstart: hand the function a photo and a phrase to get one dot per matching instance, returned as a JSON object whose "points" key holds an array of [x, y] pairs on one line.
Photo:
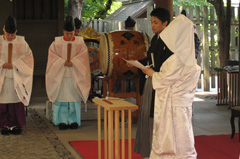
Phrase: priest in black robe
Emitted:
{"points": [[156, 55]]}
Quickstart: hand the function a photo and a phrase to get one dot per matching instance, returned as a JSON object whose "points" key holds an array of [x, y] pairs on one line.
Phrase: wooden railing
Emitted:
{"points": [[234, 94]]}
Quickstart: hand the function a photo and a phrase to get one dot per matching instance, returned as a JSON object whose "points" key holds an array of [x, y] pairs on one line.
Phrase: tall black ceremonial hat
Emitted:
{"points": [[10, 25], [69, 24], [129, 22], [78, 23], [184, 12]]}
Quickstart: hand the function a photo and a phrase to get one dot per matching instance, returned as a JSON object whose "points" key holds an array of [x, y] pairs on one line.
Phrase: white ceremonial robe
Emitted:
{"points": [[16, 83], [175, 85], [67, 91], [57, 74]]}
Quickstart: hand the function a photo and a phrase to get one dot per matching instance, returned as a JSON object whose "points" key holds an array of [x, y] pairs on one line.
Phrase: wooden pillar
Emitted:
{"points": [[60, 16], [28, 9], [38, 7], [149, 28], [212, 33], [165, 4], [6, 9], [205, 49], [239, 52], [233, 45]]}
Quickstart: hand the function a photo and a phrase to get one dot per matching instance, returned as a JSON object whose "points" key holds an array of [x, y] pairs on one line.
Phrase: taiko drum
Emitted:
{"points": [[118, 45]]}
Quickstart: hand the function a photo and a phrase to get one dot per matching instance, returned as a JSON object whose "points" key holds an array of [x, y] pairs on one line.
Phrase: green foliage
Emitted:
{"points": [[65, 8], [92, 7], [191, 3], [115, 6]]}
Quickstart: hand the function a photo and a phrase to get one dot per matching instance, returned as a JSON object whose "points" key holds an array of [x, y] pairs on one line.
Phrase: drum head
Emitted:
{"points": [[106, 51]]}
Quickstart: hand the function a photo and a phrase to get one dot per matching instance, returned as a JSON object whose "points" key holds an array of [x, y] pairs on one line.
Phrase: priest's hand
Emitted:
{"points": [[68, 64], [8, 65], [148, 71]]}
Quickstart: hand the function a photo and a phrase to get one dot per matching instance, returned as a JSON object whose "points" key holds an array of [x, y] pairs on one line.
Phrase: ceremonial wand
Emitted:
{"points": [[10, 46], [69, 49]]}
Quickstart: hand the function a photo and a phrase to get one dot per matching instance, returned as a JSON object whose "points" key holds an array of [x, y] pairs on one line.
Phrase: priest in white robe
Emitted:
{"points": [[16, 76], [175, 85], [68, 77]]}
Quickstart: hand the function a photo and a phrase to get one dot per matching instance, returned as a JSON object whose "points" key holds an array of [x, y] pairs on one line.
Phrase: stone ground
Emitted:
{"points": [[37, 141]]}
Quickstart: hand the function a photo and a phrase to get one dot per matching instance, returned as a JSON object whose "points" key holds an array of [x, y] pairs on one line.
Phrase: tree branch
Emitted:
{"points": [[102, 12], [211, 1]]}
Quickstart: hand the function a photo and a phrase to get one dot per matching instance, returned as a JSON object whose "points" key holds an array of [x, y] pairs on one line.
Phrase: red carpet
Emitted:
{"points": [[89, 149], [208, 147], [217, 147]]}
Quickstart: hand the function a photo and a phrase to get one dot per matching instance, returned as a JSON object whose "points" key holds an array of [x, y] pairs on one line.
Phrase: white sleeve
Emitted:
{"points": [[169, 73]]}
